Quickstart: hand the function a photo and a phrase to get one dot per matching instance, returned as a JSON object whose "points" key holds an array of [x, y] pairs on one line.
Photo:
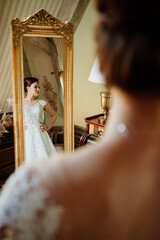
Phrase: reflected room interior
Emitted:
{"points": [[43, 59]]}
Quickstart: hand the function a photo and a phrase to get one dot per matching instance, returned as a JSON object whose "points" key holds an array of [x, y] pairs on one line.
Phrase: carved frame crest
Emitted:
{"points": [[40, 19]]}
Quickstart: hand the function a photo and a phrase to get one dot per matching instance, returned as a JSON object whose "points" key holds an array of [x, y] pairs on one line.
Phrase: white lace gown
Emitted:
{"points": [[27, 211], [38, 144]]}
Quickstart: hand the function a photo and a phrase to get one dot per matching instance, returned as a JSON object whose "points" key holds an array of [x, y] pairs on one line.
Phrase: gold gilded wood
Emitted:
{"points": [[40, 24], [36, 22]]}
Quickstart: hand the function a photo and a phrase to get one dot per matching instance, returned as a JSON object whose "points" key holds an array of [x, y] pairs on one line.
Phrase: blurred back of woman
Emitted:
{"points": [[110, 190]]}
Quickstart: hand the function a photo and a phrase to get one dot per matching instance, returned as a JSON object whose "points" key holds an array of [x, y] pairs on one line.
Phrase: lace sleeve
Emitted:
{"points": [[26, 208], [43, 103]]}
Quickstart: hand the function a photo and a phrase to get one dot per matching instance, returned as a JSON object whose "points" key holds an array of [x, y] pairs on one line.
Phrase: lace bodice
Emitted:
{"points": [[34, 114], [32, 217]]}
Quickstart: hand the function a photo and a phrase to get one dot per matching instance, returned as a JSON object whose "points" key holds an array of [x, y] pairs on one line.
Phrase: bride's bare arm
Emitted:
{"points": [[53, 114]]}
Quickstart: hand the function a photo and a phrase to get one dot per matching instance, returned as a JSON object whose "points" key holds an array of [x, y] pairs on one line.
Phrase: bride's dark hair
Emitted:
{"points": [[128, 40], [28, 82]]}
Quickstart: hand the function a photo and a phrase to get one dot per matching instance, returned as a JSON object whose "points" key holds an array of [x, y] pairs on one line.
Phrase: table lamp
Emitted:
{"points": [[97, 77]]}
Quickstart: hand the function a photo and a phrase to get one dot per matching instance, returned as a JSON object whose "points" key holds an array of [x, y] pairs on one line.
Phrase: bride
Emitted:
{"points": [[109, 190], [38, 144]]}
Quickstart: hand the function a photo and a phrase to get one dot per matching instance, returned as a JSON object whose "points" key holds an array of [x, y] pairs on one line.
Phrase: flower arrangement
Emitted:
{"points": [[6, 119], [2, 130]]}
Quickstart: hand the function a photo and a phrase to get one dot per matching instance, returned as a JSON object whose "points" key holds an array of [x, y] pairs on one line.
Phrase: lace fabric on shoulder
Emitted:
{"points": [[42, 103], [24, 202]]}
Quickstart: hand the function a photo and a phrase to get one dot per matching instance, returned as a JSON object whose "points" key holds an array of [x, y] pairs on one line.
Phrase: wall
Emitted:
{"points": [[86, 95]]}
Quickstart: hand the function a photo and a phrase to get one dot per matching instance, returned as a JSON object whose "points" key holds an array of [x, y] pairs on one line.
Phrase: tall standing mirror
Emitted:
{"points": [[42, 47]]}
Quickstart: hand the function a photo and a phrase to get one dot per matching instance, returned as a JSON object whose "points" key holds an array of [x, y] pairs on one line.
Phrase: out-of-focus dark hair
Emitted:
{"points": [[128, 40], [28, 82]]}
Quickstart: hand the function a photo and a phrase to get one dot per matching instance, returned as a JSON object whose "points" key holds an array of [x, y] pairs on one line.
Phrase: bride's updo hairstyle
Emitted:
{"points": [[128, 40], [28, 82]]}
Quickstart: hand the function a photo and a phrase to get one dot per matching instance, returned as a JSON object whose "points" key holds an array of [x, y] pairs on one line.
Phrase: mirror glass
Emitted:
{"points": [[43, 59], [42, 47]]}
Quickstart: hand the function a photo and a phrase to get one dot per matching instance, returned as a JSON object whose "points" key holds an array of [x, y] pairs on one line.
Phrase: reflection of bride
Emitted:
{"points": [[38, 144]]}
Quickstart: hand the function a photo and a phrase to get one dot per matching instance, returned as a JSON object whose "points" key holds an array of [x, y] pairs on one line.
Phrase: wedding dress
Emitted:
{"points": [[27, 211], [38, 144]]}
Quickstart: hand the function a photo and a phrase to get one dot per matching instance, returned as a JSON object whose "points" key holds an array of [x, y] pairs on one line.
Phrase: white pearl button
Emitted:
{"points": [[121, 128]]}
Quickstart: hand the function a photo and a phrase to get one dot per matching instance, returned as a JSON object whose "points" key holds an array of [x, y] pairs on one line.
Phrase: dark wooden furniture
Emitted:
{"points": [[7, 160], [93, 131], [78, 132]]}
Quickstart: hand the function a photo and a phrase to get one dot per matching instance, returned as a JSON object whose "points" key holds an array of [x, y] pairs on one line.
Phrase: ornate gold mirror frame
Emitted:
{"points": [[40, 24]]}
